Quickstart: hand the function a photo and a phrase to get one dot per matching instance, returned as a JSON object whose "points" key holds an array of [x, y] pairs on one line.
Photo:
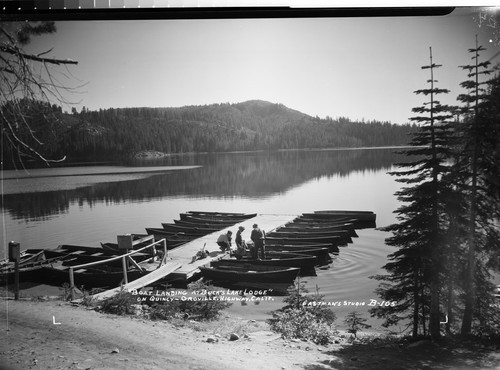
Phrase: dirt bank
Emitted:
{"points": [[58, 335]]}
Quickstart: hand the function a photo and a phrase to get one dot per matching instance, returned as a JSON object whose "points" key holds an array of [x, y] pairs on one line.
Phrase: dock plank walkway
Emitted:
{"points": [[185, 253], [153, 276], [181, 265]]}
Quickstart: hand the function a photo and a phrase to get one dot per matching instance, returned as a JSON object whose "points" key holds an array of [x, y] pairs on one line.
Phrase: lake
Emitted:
{"points": [[88, 205]]}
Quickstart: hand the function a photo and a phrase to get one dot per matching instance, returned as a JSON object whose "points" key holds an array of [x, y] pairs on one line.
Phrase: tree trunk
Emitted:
{"points": [[416, 304]]}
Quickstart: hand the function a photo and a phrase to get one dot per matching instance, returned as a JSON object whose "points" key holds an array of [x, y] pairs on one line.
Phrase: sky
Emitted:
{"points": [[361, 68]]}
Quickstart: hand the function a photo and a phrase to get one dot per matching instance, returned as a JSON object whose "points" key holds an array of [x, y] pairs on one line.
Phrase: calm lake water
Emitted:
{"points": [[86, 206]]}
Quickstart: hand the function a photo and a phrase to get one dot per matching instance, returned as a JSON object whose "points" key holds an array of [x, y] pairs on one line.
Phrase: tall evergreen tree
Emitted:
{"points": [[479, 145], [415, 270]]}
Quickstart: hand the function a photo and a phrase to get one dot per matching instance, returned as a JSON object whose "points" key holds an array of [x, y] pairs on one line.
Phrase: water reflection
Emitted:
{"points": [[221, 175]]}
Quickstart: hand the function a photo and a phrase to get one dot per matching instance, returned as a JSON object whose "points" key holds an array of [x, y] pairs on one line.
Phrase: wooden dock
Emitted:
{"points": [[148, 279], [181, 266], [185, 253]]}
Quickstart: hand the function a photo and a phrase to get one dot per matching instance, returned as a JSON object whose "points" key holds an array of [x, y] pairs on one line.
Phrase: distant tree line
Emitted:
{"points": [[254, 125]]}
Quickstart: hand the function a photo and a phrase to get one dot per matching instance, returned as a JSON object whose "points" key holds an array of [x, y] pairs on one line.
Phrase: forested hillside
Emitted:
{"points": [[252, 125]]}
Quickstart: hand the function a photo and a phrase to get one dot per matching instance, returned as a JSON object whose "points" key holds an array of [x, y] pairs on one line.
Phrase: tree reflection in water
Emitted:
{"points": [[247, 175]]}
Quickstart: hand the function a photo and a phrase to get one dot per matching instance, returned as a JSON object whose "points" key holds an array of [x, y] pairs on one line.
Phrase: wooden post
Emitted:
{"points": [[15, 255], [165, 250], [124, 263], [71, 283], [16, 280]]}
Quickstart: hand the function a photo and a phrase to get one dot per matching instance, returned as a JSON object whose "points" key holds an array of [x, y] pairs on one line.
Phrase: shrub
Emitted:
{"points": [[301, 320], [302, 324], [355, 323], [121, 303], [198, 310]]}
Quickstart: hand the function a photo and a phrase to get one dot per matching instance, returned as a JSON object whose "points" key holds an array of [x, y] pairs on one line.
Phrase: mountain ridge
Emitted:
{"points": [[118, 133]]}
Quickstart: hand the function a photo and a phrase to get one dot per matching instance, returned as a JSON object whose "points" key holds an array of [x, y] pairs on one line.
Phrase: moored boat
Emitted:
{"points": [[189, 229], [211, 220], [343, 235], [30, 266], [360, 215], [310, 219], [227, 215], [321, 253], [275, 258], [334, 241], [93, 277], [250, 273], [315, 228], [173, 241], [201, 224]]}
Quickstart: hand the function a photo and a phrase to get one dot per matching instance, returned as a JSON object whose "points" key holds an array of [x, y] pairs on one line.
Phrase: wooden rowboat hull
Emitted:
{"points": [[189, 229], [343, 235], [227, 215], [358, 224], [359, 215], [201, 224], [172, 241], [90, 278], [333, 240], [274, 258], [312, 229], [322, 254], [250, 274]]}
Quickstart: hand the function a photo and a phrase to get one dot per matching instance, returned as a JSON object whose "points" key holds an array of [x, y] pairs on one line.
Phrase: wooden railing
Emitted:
{"points": [[124, 259]]}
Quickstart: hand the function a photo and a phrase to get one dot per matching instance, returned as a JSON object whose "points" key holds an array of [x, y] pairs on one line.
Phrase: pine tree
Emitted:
{"points": [[24, 87], [478, 148], [416, 268]]}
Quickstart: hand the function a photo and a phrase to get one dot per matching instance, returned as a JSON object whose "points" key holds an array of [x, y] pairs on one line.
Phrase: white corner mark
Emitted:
{"points": [[444, 322], [54, 321]]}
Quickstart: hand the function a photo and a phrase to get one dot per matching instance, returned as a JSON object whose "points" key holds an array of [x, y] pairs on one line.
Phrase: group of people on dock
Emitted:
{"points": [[257, 236]]}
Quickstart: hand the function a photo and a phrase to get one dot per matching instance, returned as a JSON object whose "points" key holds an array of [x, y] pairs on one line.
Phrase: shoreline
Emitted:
{"points": [[49, 333]]}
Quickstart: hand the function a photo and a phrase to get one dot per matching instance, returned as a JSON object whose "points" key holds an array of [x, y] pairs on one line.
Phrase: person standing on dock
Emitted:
{"points": [[240, 243], [224, 241], [257, 237]]}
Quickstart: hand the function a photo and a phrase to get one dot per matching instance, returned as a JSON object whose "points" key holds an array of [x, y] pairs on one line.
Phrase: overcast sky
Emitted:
{"points": [[355, 67]]}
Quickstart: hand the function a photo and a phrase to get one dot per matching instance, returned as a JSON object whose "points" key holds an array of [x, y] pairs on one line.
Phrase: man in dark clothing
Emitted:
{"points": [[240, 243], [224, 241], [257, 237]]}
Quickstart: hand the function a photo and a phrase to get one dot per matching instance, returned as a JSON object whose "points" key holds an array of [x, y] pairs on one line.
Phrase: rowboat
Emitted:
{"points": [[218, 216], [189, 229], [38, 269], [333, 214], [306, 228], [323, 221], [332, 247], [211, 220], [138, 241], [92, 254], [332, 240], [25, 256], [250, 273], [241, 216], [30, 266], [201, 224], [303, 261], [99, 276], [358, 224], [106, 274], [321, 253], [173, 241], [188, 233], [343, 235], [360, 215]]}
